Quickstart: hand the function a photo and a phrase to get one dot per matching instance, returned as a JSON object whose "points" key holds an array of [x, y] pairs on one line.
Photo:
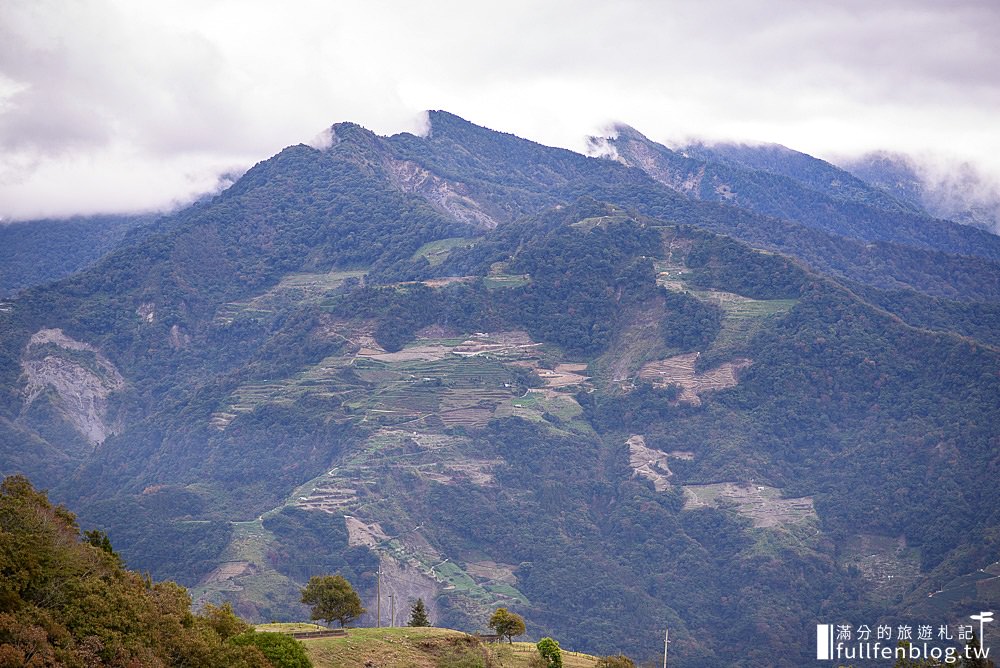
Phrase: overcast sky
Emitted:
{"points": [[117, 105]]}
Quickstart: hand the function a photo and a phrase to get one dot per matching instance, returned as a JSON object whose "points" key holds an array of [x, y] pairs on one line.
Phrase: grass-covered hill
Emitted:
{"points": [[506, 374], [422, 647]]}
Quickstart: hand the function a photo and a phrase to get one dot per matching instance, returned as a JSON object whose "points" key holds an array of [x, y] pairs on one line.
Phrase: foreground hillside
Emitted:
{"points": [[66, 600], [505, 374], [422, 648]]}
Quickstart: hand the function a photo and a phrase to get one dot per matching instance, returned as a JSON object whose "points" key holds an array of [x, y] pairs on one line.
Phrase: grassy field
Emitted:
{"points": [[506, 280], [405, 647], [437, 251], [290, 627]]}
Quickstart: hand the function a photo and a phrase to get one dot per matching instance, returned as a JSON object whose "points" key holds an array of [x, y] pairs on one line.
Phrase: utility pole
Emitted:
{"points": [[378, 596], [666, 641], [392, 610]]}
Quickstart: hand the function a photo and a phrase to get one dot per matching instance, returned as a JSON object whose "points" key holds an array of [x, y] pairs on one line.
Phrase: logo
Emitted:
{"points": [[914, 642], [982, 618], [824, 642]]}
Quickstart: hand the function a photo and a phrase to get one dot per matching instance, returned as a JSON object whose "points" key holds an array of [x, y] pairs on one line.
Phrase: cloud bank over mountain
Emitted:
{"points": [[110, 105]]}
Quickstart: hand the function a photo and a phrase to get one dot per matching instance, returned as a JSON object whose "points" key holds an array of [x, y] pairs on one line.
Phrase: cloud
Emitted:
{"points": [[105, 90]]}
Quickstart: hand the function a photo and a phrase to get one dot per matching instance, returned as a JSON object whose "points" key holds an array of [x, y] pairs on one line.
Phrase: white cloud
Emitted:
{"points": [[130, 97]]}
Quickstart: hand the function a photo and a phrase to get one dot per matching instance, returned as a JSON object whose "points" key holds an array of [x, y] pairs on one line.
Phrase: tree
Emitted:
{"points": [[550, 652], [223, 621], [332, 598], [507, 624], [418, 614], [50, 578], [100, 540]]}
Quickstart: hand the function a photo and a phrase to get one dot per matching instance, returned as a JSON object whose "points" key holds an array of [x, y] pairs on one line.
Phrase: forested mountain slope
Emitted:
{"points": [[39, 251], [514, 375]]}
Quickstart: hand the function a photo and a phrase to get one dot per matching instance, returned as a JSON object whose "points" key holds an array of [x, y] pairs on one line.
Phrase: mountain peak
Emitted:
{"points": [[443, 124]]}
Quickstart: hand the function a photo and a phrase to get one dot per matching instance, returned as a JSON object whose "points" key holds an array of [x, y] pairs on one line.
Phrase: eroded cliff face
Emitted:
{"points": [[635, 153], [446, 196], [77, 379]]}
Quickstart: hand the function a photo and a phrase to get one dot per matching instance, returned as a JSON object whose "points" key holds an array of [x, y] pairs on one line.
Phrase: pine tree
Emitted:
{"points": [[418, 614]]}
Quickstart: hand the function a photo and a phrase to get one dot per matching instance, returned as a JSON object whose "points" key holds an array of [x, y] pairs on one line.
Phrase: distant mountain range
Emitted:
{"points": [[961, 194], [737, 391]]}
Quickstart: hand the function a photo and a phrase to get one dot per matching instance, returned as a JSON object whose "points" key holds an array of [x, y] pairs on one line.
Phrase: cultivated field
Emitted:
{"points": [[762, 504], [888, 565], [679, 370], [293, 289], [436, 252]]}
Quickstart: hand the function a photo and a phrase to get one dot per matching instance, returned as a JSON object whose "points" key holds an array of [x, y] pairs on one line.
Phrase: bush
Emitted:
{"points": [[549, 650], [617, 661], [283, 651]]}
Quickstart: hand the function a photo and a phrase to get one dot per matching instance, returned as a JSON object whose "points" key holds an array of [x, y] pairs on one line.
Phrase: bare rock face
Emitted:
{"points": [[404, 580], [446, 196], [633, 149], [80, 379], [179, 338]]}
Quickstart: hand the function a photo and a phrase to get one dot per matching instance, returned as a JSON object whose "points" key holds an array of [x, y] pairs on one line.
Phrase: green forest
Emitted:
{"points": [[612, 407]]}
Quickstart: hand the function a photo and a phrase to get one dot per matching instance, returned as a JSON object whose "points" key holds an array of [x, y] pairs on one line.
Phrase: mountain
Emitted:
{"points": [[776, 181], [501, 373], [962, 194]]}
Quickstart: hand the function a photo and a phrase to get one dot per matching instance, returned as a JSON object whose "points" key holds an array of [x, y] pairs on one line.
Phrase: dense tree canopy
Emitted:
{"points": [[67, 601]]}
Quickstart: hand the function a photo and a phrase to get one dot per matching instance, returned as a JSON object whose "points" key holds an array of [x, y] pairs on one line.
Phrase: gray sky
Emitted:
{"points": [[117, 105]]}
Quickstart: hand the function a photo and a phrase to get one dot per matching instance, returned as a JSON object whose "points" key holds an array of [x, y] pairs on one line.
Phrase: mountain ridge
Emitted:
{"points": [[610, 405], [726, 173]]}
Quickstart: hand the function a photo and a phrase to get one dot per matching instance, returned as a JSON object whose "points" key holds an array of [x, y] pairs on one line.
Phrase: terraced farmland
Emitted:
{"points": [[429, 384], [648, 463], [762, 504], [742, 316], [409, 399], [561, 411], [246, 577], [671, 274], [301, 288], [680, 370], [888, 565], [457, 390], [325, 380]]}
